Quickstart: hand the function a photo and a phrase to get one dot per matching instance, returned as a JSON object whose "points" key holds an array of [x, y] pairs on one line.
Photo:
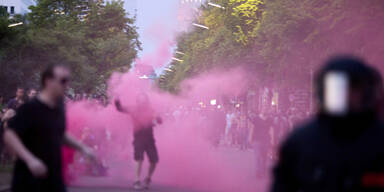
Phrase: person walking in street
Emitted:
{"points": [[228, 126], [144, 119], [36, 135]]}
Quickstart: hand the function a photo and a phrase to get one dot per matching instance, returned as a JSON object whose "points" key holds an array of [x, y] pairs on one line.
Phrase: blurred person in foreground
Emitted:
{"points": [[144, 119], [341, 149], [36, 135]]}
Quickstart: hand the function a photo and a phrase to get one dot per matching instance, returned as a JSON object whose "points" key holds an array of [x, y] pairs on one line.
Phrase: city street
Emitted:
{"points": [[245, 158], [156, 188], [104, 184], [191, 95]]}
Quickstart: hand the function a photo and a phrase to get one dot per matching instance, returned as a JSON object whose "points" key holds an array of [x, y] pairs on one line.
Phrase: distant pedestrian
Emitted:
{"points": [[1, 107], [12, 106], [228, 126], [1, 103], [1, 130], [260, 143], [17, 100], [32, 94]]}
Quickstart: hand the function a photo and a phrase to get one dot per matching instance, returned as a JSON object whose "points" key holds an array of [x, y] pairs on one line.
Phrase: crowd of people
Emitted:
{"points": [[350, 95], [238, 128]]}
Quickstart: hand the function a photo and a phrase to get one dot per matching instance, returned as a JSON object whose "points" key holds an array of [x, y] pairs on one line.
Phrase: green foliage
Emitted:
{"points": [[279, 41], [11, 41], [95, 39], [248, 15], [221, 45]]}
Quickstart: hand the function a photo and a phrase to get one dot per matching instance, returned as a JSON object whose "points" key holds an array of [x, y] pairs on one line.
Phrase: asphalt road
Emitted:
{"points": [[88, 184], [104, 184], [155, 188]]}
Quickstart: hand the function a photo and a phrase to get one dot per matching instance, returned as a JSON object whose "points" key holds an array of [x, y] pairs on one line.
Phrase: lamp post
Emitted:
{"points": [[200, 26], [178, 52], [176, 59], [15, 24], [216, 5]]}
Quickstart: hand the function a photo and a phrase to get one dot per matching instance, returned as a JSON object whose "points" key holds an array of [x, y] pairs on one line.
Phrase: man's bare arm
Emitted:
{"points": [[120, 108], [35, 165], [8, 115], [75, 144]]}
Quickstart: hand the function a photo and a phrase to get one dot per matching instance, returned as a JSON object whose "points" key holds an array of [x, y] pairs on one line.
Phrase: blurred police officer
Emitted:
{"points": [[341, 149]]}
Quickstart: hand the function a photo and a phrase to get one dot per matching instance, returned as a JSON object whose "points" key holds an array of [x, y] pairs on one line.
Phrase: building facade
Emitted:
{"points": [[16, 6]]}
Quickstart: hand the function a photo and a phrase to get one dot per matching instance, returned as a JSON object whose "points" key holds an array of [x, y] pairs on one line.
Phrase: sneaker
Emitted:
{"points": [[147, 183], [137, 185]]}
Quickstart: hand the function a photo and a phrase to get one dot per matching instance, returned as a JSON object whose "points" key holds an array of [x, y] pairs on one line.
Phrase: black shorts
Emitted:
{"points": [[147, 147]]}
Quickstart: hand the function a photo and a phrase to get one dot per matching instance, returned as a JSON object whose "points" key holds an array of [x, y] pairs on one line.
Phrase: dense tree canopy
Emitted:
{"points": [[93, 38], [278, 41]]}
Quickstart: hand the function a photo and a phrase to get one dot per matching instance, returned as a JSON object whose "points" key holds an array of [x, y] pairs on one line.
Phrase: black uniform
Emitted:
{"points": [[41, 129], [327, 156], [337, 152]]}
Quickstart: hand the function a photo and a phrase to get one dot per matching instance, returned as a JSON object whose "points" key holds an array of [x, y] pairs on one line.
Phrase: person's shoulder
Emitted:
{"points": [[303, 132], [307, 127], [11, 102], [379, 128], [30, 104]]}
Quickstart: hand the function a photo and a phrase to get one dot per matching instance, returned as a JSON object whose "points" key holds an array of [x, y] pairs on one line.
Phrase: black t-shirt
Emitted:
{"points": [[324, 155], [41, 129], [143, 125], [144, 135]]}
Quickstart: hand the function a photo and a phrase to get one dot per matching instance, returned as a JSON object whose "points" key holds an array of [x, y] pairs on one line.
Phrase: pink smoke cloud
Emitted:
{"points": [[188, 157]]}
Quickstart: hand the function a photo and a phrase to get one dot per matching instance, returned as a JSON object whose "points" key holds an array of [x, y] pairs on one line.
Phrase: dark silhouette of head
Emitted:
{"points": [[362, 85]]}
